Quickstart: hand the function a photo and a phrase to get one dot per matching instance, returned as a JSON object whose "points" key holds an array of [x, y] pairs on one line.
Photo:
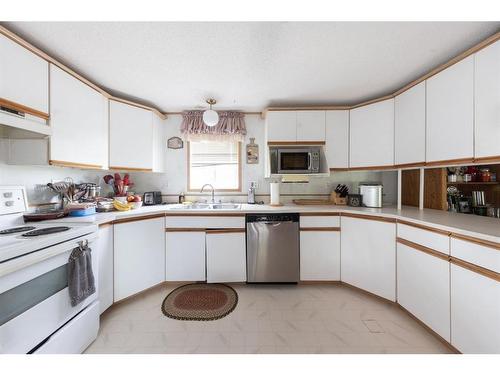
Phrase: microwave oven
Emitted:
{"points": [[296, 160]]}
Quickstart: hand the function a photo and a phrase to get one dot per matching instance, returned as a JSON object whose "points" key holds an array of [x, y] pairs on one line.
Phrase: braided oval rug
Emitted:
{"points": [[200, 302]]}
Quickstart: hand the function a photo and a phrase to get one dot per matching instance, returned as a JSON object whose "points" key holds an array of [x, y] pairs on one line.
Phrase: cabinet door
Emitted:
{"points": [[487, 102], [369, 255], [24, 77], [226, 257], [159, 142], [424, 288], [319, 255], [311, 126], [372, 135], [475, 312], [281, 126], [130, 136], [337, 139], [139, 256], [105, 255], [450, 112], [78, 117], [185, 256], [409, 126]]}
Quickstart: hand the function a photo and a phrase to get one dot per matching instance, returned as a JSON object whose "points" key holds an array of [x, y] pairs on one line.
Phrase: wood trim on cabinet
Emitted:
{"points": [[22, 108], [69, 164], [224, 230], [339, 169], [206, 214], [319, 229], [373, 101], [185, 229], [424, 227], [296, 143], [487, 159], [104, 225], [131, 169], [370, 217], [475, 268], [449, 162], [373, 168], [137, 218], [30, 47], [423, 249], [410, 165], [319, 214], [477, 241]]}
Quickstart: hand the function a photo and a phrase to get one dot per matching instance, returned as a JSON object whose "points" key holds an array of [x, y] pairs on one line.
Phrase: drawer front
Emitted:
{"points": [[319, 221], [205, 222], [435, 241], [483, 256]]}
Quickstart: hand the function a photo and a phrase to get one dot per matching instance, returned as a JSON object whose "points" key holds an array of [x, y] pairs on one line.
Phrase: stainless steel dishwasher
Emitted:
{"points": [[273, 248]]}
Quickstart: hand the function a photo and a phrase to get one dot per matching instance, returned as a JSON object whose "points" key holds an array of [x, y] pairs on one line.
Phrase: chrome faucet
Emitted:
{"points": [[213, 191]]}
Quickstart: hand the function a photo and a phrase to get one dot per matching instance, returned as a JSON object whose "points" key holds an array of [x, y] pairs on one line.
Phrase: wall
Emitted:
{"points": [[174, 180]]}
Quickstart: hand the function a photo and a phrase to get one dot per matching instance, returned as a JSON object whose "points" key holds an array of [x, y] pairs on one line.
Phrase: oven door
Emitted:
{"points": [[34, 296], [294, 161]]}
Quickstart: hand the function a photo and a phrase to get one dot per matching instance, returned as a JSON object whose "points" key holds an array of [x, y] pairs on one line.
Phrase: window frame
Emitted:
{"points": [[188, 166]]}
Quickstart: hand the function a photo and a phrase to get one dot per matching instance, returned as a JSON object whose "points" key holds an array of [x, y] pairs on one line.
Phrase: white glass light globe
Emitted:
{"points": [[210, 117]]}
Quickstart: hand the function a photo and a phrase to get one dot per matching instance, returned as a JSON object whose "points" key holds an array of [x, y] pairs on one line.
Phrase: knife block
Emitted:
{"points": [[335, 198]]}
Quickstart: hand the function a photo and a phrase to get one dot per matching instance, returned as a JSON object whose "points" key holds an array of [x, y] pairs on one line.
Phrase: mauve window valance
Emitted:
{"points": [[231, 127]]}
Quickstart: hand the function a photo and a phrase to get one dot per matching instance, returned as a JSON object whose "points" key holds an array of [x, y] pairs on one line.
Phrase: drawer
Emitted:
{"points": [[483, 256], [205, 221], [319, 221], [433, 240]]}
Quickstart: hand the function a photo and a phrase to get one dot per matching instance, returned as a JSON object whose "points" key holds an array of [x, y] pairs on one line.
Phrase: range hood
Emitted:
{"points": [[20, 125]]}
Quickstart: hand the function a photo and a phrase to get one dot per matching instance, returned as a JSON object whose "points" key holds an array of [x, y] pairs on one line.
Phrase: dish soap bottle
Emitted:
{"points": [[251, 193], [182, 197]]}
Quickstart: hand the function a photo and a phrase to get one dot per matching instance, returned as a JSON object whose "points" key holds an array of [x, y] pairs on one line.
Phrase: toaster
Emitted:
{"points": [[152, 197]]}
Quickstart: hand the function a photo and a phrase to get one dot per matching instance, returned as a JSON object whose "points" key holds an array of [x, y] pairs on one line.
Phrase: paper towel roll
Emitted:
{"points": [[275, 193]]}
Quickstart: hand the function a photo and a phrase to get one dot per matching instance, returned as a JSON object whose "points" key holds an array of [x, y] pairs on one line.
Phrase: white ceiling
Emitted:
{"points": [[249, 66]]}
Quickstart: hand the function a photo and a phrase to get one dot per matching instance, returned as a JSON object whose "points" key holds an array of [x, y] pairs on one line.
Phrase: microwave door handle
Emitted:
{"points": [[308, 161]]}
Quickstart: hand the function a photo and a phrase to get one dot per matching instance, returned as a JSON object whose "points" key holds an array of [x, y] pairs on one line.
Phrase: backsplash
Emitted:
{"points": [[34, 178]]}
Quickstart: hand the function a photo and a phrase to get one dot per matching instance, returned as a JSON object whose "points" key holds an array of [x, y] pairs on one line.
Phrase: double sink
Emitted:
{"points": [[208, 206]]}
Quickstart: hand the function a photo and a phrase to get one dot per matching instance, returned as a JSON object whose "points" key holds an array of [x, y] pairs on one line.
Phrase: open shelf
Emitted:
{"points": [[475, 183]]}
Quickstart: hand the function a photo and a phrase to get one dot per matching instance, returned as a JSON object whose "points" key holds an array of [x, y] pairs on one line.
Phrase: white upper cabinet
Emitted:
{"points": [[24, 77], [487, 102], [450, 113], [295, 126], [79, 121], [131, 143], [281, 126], [372, 135], [409, 126], [337, 139], [311, 126]]}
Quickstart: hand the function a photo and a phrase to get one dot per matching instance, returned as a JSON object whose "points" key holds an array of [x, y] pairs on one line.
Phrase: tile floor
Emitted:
{"points": [[268, 319]]}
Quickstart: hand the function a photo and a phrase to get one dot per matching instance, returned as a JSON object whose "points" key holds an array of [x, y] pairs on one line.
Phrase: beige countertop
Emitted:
{"points": [[477, 226]]}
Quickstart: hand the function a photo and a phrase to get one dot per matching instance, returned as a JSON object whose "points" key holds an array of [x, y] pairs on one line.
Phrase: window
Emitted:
{"points": [[215, 163]]}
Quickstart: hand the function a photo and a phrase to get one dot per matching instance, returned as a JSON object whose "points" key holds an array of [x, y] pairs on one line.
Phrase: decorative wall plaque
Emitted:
{"points": [[252, 152], [175, 143]]}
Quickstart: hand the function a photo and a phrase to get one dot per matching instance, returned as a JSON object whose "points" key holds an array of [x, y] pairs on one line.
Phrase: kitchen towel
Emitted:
{"points": [[81, 282]]}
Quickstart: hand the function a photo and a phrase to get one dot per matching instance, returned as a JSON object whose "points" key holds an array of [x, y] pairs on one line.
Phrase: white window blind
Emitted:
{"points": [[215, 163]]}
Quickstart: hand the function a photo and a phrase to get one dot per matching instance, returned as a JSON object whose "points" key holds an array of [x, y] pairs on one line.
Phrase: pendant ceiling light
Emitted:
{"points": [[211, 117]]}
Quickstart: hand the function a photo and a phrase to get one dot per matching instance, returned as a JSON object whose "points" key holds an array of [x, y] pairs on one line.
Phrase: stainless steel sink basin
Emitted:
{"points": [[206, 206], [226, 206]]}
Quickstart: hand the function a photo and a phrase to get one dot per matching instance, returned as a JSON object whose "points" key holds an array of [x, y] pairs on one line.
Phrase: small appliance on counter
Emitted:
{"points": [[152, 198], [372, 194]]}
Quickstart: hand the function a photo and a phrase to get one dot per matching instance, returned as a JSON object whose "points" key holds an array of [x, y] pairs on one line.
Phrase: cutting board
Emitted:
{"points": [[306, 202]]}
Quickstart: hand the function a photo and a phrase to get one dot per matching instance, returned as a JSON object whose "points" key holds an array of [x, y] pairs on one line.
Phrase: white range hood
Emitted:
{"points": [[22, 126]]}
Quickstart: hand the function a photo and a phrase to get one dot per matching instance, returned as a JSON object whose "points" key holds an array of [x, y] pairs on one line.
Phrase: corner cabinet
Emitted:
{"points": [[369, 254], [139, 255], [226, 255], [409, 126], [133, 138], [79, 122], [337, 139], [450, 113], [487, 103], [372, 135]]}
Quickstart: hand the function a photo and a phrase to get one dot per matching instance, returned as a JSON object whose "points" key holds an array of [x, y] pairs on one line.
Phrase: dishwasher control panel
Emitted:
{"points": [[272, 217]]}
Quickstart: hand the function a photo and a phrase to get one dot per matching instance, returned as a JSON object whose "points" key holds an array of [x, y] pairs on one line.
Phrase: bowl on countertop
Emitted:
{"points": [[136, 205]]}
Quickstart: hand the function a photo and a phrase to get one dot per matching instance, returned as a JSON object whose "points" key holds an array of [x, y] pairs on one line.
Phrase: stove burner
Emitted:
{"points": [[40, 232], [16, 230]]}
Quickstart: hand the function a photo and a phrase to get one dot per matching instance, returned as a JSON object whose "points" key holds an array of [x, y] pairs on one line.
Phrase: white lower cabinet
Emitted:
{"points": [[369, 255], [226, 256], [139, 256], [105, 272], [320, 255], [185, 255], [475, 312], [423, 288]]}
